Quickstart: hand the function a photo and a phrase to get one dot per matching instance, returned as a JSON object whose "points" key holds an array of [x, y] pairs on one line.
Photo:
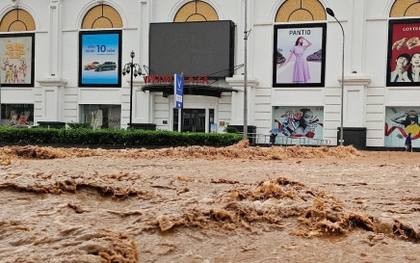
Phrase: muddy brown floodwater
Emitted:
{"points": [[209, 205]]}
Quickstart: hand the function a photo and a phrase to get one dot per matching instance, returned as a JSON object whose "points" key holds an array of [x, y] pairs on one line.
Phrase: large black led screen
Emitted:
{"points": [[192, 48]]}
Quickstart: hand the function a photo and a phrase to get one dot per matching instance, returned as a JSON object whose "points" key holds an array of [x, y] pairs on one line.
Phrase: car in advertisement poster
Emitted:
{"points": [[107, 65], [91, 65]]}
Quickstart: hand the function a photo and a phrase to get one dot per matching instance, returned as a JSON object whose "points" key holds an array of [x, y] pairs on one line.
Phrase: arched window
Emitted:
{"points": [[402, 8], [300, 10], [17, 20], [102, 16], [196, 11]]}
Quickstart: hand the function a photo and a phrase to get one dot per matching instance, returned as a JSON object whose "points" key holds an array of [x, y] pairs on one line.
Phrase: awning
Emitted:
{"points": [[205, 90]]}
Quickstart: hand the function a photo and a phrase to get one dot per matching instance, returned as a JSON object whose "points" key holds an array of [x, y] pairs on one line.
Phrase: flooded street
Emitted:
{"points": [[209, 205]]}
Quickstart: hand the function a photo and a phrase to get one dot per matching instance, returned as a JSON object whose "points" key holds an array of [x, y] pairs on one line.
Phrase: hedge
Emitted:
{"points": [[112, 138]]}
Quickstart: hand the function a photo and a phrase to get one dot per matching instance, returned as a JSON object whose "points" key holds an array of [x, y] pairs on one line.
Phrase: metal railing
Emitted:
{"points": [[291, 140]]}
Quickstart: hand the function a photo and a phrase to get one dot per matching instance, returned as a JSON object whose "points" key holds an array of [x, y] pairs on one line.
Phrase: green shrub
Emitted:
{"points": [[230, 129], [112, 138], [79, 125]]}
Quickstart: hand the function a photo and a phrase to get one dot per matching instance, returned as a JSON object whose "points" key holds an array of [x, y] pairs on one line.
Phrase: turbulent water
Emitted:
{"points": [[208, 205]]}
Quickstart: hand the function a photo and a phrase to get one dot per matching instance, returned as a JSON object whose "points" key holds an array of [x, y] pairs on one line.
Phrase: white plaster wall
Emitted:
{"points": [[224, 111], [376, 55], [70, 106], [375, 116], [17, 95], [375, 65], [162, 112], [262, 55], [263, 109]]}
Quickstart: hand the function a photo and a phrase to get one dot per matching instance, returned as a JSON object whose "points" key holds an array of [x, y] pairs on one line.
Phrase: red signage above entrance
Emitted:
{"points": [[166, 79]]}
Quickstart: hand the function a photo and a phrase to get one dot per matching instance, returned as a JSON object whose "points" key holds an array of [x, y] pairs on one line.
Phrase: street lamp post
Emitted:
{"points": [[245, 72], [246, 36], [331, 13], [135, 70]]}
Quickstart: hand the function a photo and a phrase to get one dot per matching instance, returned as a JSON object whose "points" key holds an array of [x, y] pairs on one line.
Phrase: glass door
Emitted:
{"points": [[193, 120]]}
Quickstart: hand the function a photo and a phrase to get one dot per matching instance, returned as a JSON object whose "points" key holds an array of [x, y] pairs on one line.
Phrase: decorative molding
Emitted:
{"points": [[238, 80], [52, 82], [139, 81], [355, 80]]}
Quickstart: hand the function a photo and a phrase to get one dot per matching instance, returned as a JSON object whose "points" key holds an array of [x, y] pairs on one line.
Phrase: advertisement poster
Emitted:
{"points": [[17, 60], [100, 59], [299, 55], [401, 122], [298, 121], [403, 53]]}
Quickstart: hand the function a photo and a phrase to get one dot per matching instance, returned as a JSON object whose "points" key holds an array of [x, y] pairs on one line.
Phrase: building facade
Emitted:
{"points": [[62, 61]]}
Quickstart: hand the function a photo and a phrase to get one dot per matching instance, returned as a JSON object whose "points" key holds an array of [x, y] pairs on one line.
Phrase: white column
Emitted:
{"points": [[354, 106], [55, 39], [51, 93], [356, 35], [51, 99], [237, 109], [144, 21], [141, 102]]}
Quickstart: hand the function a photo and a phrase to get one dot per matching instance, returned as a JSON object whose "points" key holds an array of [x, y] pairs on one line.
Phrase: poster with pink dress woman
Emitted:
{"points": [[299, 57], [301, 69]]}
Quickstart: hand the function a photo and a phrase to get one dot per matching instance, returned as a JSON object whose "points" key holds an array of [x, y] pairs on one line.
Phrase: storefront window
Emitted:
{"points": [[17, 114], [101, 116]]}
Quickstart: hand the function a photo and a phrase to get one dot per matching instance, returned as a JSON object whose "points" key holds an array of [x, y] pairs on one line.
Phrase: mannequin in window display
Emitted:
{"points": [[22, 120], [96, 120], [13, 118], [28, 117]]}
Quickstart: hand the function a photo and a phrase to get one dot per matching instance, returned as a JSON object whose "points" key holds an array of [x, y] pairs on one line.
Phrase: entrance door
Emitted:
{"points": [[193, 120]]}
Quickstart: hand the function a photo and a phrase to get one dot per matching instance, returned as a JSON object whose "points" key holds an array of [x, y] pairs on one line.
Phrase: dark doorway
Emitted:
{"points": [[193, 120]]}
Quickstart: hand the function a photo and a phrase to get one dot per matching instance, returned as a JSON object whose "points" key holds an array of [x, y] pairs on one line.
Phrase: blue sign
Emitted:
{"points": [[178, 90]]}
